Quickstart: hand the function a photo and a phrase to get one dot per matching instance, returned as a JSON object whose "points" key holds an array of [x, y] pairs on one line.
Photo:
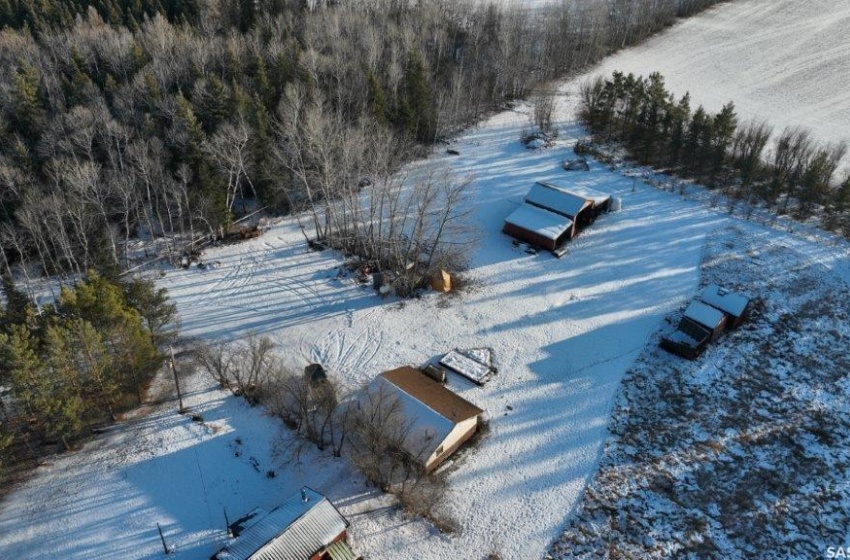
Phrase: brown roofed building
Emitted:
{"points": [[441, 420], [552, 214]]}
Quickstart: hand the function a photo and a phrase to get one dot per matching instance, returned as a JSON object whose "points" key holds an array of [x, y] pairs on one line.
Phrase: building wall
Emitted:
{"points": [[461, 432], [529, 236]]}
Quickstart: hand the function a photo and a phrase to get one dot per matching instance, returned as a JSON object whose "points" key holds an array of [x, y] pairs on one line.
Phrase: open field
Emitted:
{"points": [[784, 62]]}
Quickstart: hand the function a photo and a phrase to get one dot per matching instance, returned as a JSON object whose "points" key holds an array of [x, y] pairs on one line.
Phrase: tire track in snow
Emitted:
{"points": [[338, 351]]}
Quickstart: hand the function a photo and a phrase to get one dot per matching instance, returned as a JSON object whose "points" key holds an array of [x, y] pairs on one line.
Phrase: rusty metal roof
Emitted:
{"points": [[432, 394], [295, 530]]}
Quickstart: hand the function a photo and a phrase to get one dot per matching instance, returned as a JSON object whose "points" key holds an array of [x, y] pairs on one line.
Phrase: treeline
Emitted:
{"points": [[160, 121], [40, 16], [77, 364], [791, 173]]}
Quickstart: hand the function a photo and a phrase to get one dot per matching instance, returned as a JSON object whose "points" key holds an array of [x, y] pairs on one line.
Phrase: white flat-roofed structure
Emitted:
{"points": [[734, 305], [307, 526], [435, 421]]}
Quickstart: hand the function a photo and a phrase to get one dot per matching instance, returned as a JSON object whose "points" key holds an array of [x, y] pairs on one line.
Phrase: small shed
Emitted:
{"points": [[735, 306], [538, 227], [440, 420], [707, 317], [700, 325], [689, 339], [552, 214], [306, 526]]}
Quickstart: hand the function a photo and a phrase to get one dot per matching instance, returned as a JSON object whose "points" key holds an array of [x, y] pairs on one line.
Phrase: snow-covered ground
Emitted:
{"points": [[783, 61], [745, 449], [563, 331]]}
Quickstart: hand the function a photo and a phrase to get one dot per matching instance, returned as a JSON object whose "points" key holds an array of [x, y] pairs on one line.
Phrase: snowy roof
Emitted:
{"points": [[730, 303], [704, 314], [432, 409], [579, 190], [542, 222], [295, 530], [556, 199], [467, 366]]}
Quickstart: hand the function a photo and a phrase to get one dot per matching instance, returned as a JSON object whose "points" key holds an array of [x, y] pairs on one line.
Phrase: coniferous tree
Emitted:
{"points": [[679, 116], [376, 99], [418, 114], [694, 140], [19, 308], [152, 303], [58, 394], [29, 116], [723, 129]]}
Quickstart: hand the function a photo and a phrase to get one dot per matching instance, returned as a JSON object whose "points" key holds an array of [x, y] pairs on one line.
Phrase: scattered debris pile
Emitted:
{"points": [[475, 364], [578, 164]]}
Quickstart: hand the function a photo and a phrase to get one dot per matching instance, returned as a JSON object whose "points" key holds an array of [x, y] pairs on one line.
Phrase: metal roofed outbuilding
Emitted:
{"points": [[440, 419], [301, 528], [551, 214], [735, 306]]}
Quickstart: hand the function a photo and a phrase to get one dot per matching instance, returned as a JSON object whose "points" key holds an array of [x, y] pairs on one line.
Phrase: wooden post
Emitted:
{"points": [[181, 410], [227, 523], [162, 538]]}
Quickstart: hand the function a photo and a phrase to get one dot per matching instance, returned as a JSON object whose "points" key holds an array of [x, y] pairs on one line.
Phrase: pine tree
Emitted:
{"points": [[692, 151], [78, 86], [679, 116], [20, 365], [653, 111], [94, 362], [376, 98], [214, 105], [419, 117], [19, 308], [126, 332], [261, 152], [263, 85], [841, 206], [158, 312], [29, 116], [58, 399], [723, 131]]}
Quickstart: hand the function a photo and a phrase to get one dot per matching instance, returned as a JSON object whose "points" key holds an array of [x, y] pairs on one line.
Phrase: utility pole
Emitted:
{"points": [[162, 538], [227, 523], [181, 410]]}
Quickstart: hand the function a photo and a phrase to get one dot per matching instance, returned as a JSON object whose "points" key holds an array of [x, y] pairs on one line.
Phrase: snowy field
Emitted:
{"points": [[564, 333], [783, 61]]}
